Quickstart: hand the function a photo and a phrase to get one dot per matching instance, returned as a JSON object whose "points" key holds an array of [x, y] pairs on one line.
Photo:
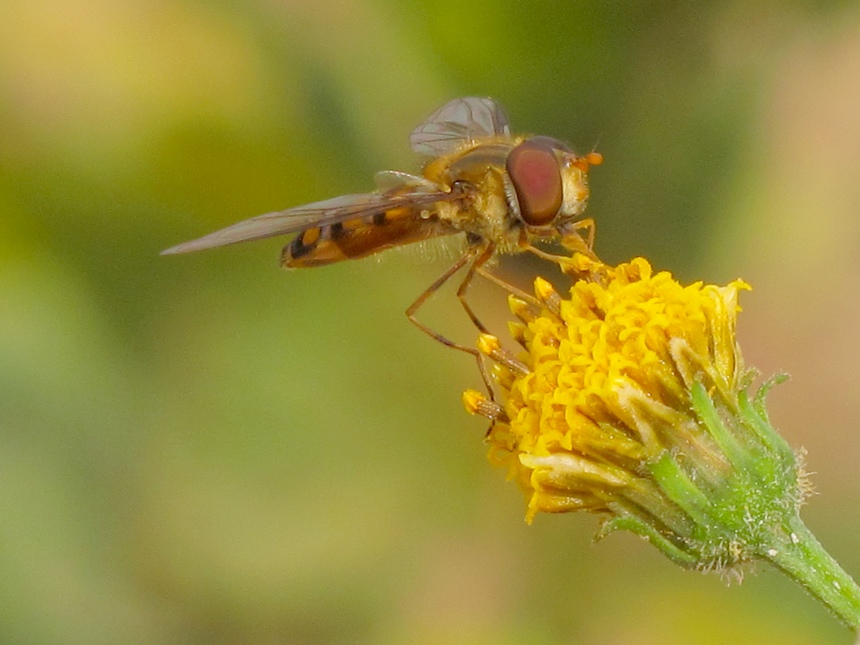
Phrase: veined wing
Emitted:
{"points": [[457, 122], [300, 218], [397, 181]]}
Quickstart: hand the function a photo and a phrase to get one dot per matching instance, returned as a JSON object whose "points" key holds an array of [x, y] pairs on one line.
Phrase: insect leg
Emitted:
{"points": [[475, 267], [552, 257], [570, 240], [507, 286], [469, 256], [595, 273], [573, 241]]}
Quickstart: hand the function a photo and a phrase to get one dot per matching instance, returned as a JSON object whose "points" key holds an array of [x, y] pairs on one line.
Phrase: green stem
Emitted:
{"points": [[801, 557]]}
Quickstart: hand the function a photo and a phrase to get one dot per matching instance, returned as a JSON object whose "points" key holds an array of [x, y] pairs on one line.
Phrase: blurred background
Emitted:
{"points": [[207, 449]]}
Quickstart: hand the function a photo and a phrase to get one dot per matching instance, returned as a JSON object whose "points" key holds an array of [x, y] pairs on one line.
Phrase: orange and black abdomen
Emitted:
{"points": [[362, 236]]}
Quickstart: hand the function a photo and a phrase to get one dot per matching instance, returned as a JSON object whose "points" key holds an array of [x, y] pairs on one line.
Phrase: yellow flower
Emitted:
{"points": [[629, 400]]}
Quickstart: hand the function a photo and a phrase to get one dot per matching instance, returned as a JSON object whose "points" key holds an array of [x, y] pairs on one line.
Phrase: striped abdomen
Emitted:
{"points": [[363, 236]]}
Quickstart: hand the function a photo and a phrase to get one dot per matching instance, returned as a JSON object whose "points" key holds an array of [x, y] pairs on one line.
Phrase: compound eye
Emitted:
{"points": [[536, 176]]}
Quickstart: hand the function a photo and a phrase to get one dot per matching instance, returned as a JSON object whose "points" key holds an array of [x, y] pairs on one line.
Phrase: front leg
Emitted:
{"points": [[572, 240]]}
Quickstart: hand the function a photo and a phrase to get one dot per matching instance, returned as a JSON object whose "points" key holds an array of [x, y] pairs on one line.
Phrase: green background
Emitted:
{"points": [[206, 449]]}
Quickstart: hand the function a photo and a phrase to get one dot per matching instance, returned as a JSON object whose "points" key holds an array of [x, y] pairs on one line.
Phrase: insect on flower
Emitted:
{"points": [[503, 192]]}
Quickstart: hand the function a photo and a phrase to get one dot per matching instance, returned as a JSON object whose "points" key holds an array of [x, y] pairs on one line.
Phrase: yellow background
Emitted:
{"points": [[205, 449]]}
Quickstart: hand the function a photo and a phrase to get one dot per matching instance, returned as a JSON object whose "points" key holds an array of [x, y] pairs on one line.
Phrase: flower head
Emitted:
{"points": [[630, 399]]}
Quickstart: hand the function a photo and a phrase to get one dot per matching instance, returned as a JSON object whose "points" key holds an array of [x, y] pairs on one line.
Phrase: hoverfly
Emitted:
{"points": [[503, 192]]}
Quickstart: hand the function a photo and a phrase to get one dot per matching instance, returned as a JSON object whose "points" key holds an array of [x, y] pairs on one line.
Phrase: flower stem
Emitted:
{"points": [[801, 557]]}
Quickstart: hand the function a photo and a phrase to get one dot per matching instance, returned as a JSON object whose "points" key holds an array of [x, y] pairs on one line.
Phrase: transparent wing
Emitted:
{"points": [[457, 122], [301, 218], [392, 180]]}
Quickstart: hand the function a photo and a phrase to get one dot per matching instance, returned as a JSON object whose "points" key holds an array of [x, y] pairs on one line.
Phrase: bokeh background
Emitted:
{"points": [[206, 449]]}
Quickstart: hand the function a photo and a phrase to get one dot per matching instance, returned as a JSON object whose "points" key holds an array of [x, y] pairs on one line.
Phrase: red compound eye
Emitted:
{"points": [[535, 174]]}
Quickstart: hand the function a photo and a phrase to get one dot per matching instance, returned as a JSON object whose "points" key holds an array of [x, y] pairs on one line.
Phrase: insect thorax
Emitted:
{"points": [[485, 212]]}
